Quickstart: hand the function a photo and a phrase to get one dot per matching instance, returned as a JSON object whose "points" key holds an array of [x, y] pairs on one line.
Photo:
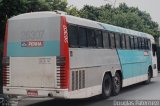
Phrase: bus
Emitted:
{"points": [[50, 54]]}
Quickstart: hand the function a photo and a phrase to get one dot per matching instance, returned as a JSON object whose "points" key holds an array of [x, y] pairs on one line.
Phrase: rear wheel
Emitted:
{"points": [[149, 76], [116, 84], [106, 86]]}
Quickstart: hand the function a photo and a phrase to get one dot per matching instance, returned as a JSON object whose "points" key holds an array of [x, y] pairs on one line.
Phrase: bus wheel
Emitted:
{"points": [[116, 84], [149, 76], [106, 86]]}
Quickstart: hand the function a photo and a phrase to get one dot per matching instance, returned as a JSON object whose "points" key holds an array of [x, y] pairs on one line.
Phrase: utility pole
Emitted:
{"points": [[112, 2]]}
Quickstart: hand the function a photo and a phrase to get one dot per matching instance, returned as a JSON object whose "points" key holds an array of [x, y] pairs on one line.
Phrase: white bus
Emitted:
{"points": [[48, 54]]}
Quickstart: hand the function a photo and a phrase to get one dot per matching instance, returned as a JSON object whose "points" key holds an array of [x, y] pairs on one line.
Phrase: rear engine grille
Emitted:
{"points": [[6, 72], [78, 79], [61, 73]]}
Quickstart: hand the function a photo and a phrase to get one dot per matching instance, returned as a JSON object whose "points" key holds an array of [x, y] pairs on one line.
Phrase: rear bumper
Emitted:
{"points": [[42, 92]]}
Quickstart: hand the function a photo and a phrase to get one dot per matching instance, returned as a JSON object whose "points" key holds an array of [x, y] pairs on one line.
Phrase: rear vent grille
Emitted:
{"points": [[61, 73], [78, 79], [6, 73]]}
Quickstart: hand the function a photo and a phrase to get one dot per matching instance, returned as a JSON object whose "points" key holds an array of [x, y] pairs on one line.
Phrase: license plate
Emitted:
{"points": [[32, 93]]}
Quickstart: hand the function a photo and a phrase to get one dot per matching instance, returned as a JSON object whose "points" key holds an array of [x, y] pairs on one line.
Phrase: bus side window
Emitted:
{"points": [[112, 40], [127, 42], [139, 43], [143, 43], [149, 44], [117, 39], [106, 41], [91, 38], [136, 42], [82, 37], [123, 44], [99, 38], [132, 42], [73, 35]]}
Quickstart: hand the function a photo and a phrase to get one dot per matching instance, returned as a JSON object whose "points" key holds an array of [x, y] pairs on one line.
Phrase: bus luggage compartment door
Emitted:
{"points": [[32, 71]]}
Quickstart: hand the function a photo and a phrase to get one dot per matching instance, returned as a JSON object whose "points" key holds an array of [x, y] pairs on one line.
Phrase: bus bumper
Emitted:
{"points": [[35, 92]]}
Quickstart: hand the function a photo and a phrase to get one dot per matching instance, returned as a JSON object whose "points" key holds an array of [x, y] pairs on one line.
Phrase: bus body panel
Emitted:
{"points": [[134, 65], [33, 72], [91, 68]]}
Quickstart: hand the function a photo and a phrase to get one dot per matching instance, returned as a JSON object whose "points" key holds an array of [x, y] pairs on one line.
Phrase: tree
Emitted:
{"points": [[57, 4], [71, 10]]}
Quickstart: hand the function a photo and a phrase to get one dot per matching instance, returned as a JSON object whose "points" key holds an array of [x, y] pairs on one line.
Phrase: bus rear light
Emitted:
{"points": [[61, 72]]}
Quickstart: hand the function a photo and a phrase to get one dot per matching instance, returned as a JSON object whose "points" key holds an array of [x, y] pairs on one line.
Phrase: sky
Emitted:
{"points": [[150, 6]]}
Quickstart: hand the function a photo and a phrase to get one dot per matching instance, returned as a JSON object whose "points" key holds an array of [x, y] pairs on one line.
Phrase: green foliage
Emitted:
{"points": [[57, 4], [71, 10]]}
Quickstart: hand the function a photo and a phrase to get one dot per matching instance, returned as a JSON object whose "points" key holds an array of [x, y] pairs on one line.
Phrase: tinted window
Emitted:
{"points": [[139, 43], [73, 35], [112, 40], [132, 42], [106, 42], [149, 44], [143, 43], [127, 42], [99, 38], [123, 44], [117, 38], [82, 37], [91, 38], [136, 42]]}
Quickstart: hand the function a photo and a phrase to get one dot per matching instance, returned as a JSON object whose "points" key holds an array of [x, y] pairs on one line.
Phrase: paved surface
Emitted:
{"points": [[134, 92]]}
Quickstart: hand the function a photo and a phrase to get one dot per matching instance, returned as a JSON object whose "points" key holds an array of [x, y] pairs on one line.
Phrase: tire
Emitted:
{"points": [[106, 86], [149, 76], [117, 84]]}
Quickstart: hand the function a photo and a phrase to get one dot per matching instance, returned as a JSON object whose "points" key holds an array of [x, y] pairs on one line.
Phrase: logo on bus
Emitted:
{"points": [[65, 34], [32, 44]]}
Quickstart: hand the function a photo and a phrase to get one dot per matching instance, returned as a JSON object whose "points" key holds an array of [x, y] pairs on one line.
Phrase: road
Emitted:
{"points": [[134, 92]]}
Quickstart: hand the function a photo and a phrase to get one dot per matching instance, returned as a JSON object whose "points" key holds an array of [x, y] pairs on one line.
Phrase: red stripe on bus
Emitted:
{"points": [[5, 41], [64, 51], [4, 73]]}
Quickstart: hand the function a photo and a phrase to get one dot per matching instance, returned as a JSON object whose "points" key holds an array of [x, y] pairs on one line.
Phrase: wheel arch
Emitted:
{"points": [[106, 72]]}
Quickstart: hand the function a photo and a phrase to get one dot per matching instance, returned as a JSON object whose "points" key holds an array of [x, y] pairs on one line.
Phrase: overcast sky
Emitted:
{"points": [[150, 6]]}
